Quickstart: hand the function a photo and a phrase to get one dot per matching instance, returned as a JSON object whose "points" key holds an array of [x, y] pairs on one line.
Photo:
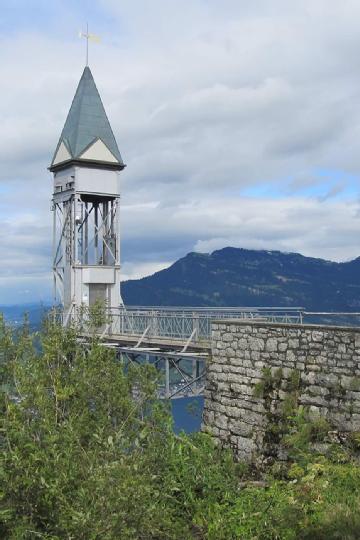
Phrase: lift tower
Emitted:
{"points": [[86, 229]]}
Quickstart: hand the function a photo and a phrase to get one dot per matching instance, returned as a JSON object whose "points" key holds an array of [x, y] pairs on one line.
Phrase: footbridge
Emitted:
{"points": [[176, 340]]}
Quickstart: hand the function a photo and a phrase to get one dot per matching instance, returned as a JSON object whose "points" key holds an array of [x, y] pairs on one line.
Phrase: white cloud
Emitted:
{"points": [[139, 270], [327, 229]]}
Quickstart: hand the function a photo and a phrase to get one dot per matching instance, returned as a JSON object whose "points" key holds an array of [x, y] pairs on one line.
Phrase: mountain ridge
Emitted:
{"points": [[243, 277]]}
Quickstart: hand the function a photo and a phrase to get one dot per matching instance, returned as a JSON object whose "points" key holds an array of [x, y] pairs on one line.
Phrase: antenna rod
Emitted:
{"points": [[88, 37], [87, 44]]}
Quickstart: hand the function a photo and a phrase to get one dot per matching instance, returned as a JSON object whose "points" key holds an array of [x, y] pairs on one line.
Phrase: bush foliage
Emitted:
{"points": [[88, 452]]}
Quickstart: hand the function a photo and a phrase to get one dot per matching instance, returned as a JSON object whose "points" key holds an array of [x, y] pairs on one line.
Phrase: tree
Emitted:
{"points": [[81, 440]]}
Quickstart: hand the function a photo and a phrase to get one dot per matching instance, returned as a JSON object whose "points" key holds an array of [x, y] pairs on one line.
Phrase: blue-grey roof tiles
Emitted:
{"points": [[87, 120]]}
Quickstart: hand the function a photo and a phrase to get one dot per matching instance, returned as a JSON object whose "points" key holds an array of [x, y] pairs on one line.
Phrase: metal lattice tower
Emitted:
{"points": [[86, 229]]}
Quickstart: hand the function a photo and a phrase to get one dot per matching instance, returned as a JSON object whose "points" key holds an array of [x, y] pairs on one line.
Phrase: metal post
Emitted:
{"points": [[194, 368], [105, 248], [86, 235], [96, 234], [54, 209], [196, 324], [117, 229], [167, 378], [81, 238], [75, 232], [73, 237]]}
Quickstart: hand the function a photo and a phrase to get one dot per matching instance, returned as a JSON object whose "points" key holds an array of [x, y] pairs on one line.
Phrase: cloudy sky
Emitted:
{"points": [[239, 122]]}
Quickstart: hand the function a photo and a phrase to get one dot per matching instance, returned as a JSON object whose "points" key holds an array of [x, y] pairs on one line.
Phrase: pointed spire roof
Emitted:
{"points": [[87, 134]]}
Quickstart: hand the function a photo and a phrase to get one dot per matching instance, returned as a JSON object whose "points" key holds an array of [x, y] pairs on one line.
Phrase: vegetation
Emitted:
{"points": [[88, 452]]}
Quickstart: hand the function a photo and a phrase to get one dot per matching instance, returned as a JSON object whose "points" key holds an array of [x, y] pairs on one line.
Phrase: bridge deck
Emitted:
{"points": [[158, 342], [177, 340]]}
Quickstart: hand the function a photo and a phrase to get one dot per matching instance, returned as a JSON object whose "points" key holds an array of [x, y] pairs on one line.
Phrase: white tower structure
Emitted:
{"points": [[86, 229]]}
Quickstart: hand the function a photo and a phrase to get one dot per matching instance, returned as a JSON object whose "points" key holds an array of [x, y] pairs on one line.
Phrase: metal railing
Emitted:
{"points": [[183, 323], [332, 318], [194, 323]]}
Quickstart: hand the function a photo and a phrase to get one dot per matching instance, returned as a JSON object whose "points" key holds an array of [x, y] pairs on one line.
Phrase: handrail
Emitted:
{"points": [[175, 323], [184, 323], [209, 309], [332, 313]]}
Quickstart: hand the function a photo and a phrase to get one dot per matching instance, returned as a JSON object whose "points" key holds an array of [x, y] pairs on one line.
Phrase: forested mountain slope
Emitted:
{"points": [[241, 277]]}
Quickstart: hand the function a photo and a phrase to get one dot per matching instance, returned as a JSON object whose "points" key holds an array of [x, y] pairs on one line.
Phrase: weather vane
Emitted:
{"points": [[91, 37]]}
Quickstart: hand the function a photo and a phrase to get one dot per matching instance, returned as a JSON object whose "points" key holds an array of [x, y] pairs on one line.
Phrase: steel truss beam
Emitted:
{"points": [[168, 362]]}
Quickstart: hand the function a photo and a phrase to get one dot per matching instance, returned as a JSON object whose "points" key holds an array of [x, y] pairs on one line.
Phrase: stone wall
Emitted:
{"points": [[257, 369]]}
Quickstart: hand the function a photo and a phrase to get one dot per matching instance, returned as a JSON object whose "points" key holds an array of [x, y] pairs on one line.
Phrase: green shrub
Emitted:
{"points": [[294, 381], [88, 452], [354, 441]]}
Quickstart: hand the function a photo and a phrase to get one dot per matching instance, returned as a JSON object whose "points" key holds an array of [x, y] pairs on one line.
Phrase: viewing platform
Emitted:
{"points": [[177, 340]]}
